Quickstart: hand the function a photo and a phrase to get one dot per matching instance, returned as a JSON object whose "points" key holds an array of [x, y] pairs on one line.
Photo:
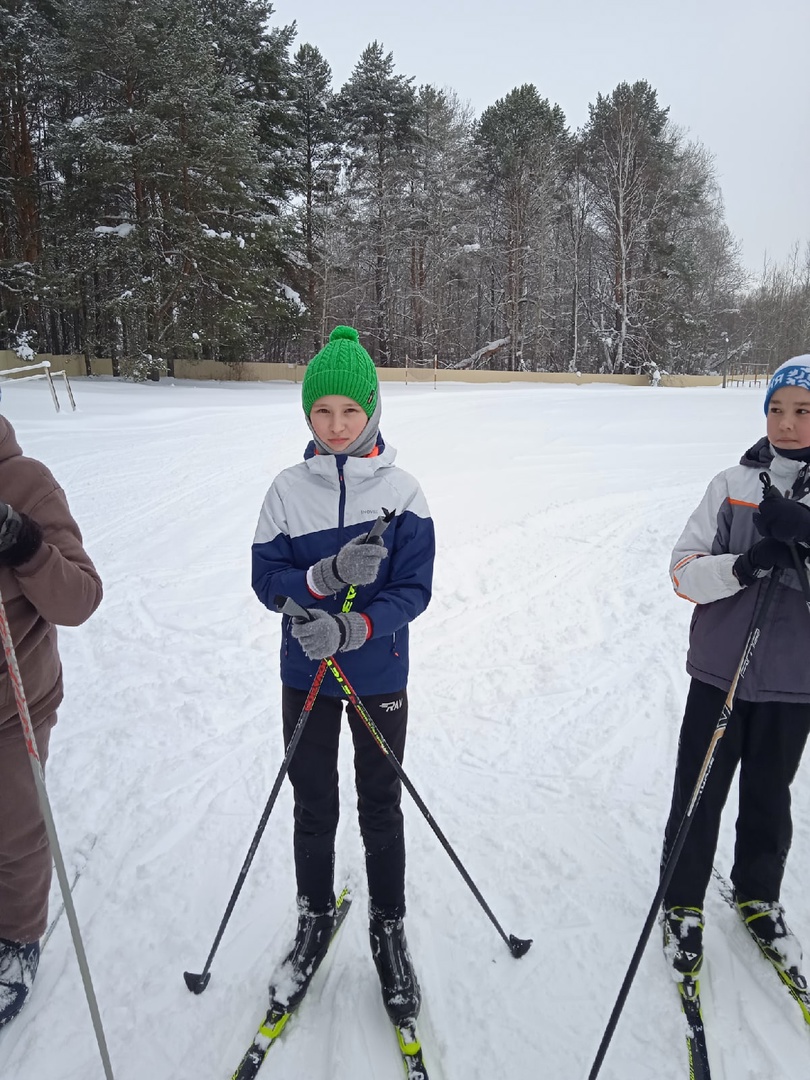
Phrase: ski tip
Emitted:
{"points": [[196, 983], [519, 946]]}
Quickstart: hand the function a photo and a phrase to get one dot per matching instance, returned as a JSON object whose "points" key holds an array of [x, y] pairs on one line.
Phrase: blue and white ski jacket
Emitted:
{"points": [[309, 513]]}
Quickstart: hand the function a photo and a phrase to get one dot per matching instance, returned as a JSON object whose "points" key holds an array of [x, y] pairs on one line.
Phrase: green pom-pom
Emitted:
{"points": [[347, 332]]}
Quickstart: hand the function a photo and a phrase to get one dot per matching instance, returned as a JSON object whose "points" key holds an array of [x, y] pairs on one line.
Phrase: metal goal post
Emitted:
{"points": [[24, 375]]}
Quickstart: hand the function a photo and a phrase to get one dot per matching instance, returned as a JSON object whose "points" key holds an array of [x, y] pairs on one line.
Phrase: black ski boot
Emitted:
{"points": [[291, 979], [18, 967], [683, 941], [765, 922], [400, 989]]}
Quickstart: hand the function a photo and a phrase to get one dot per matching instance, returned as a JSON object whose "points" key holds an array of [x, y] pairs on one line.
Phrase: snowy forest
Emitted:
{"points": [[181, 178]]}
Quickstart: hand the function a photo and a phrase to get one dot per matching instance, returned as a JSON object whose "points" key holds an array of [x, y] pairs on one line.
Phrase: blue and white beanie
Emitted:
{"points": [[795, 372]]}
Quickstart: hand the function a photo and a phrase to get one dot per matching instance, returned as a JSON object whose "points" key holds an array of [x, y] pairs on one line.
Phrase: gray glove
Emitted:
{"points": [[357, 563], [326, 634], [10, 526]]}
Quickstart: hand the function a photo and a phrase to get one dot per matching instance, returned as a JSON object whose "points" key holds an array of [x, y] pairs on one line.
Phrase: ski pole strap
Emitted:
{"points": [[768, 486]]}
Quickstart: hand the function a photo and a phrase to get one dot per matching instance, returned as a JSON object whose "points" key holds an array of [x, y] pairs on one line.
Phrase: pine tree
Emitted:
{"points": [[27, 28], [439, 227], [521, 141], [254, 57], [377, 109], [315, 162], [163, 174]]}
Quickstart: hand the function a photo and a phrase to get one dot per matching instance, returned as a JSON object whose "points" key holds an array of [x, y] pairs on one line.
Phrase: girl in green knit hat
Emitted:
{"points": [[311, 544]]}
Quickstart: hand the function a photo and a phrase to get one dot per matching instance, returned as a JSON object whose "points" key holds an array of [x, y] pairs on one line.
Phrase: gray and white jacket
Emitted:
{"points": [[719, 530]]}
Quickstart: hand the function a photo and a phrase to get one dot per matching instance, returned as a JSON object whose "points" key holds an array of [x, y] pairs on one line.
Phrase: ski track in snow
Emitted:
{"points": [[547, 683]]}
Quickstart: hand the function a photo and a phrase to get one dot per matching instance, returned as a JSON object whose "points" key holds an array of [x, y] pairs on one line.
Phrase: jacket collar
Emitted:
{"points": [[354, 469], [784, 471]]}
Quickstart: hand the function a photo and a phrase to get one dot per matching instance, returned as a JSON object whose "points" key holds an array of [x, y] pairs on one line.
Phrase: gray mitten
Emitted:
{"points": [[326, 634], [357, 563]]}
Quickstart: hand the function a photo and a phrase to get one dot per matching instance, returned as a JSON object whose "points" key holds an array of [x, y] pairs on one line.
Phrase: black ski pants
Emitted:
{"points": [[766, 739], [314, 777]]}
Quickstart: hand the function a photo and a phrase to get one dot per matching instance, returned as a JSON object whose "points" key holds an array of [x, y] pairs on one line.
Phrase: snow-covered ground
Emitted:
{"points": [[546, 689]]}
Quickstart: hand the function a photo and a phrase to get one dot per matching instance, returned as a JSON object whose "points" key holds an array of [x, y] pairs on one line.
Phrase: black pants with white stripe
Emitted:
{"points": [[314, 777], [766, 739]]}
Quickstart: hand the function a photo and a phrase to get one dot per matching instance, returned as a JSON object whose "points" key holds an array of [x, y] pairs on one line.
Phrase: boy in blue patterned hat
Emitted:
{"points": [[733, 540], [310, 545], [795, 372]]}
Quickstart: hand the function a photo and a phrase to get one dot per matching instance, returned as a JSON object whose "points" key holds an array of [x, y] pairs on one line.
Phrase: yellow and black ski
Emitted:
{"points": [[277, 1016], [696, 1033], [411, 1049]]}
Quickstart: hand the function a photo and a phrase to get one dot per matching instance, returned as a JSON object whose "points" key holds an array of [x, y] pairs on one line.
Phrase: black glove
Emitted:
{"points": [[783, 519], [764, 556], [20, 536]]}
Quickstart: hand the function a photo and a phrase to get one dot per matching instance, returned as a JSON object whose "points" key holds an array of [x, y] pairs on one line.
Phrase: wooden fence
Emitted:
{"points": [[260, 372]]}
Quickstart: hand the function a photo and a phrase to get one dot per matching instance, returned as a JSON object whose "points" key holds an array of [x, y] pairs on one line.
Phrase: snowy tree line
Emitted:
{"points": [[179, 179]]}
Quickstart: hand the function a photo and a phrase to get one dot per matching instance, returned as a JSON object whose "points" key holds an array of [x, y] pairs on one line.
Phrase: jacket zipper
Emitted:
{"points": [[342, 499]]}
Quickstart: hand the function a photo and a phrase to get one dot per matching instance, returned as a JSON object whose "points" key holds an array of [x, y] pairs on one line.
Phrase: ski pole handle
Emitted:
{"points": [[285, 605], [380, 525]]}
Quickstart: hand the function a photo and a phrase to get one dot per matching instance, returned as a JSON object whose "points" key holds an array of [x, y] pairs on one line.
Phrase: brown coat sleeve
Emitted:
{"points": [[60, 580]]}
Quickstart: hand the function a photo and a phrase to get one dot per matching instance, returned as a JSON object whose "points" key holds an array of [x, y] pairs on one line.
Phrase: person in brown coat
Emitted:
{"points": [[46, 579]]}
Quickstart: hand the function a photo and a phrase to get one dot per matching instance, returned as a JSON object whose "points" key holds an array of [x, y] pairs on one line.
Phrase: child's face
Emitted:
{"points": [[789, 418], [337, 421]]}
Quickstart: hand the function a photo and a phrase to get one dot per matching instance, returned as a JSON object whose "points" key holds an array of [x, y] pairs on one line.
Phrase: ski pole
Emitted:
{"points": [[197, 982], [801, 570], [517, 946], [53, 839], [758, 618]]}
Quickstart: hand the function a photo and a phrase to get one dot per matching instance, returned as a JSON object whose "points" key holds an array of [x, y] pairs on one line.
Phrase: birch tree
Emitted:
{"points": [[628, 149]]}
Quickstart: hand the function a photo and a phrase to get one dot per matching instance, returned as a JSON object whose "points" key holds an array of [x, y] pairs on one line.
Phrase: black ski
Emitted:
{"points": [[278, 1016], [411, 1049], [82, 858], [699, 1069]]}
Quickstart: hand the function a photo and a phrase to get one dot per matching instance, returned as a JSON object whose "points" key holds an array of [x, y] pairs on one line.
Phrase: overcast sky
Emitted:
{"points": [[735, 73]]}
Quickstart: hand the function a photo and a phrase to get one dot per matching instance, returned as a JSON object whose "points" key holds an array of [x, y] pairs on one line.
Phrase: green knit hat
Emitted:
{"points": [[341, 367]]}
